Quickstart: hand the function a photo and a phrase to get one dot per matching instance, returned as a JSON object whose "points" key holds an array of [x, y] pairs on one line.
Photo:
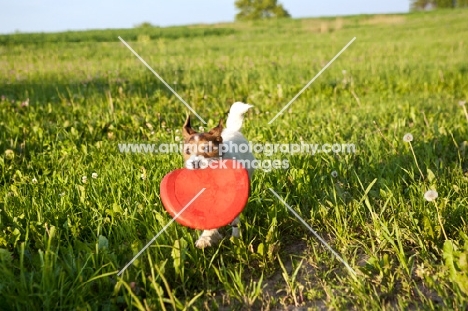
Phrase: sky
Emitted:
{"points": [[61, 15]]}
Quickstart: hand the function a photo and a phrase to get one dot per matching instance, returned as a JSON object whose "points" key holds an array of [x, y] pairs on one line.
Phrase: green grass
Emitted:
{"points": [[63, 241]]}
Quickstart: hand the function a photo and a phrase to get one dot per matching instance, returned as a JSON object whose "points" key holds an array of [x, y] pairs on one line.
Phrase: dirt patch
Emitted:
{"points": [[384, 20], [277, 287], [322, 26]]}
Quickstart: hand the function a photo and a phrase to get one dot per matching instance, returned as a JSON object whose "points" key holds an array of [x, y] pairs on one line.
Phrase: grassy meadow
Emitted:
{"points": [[68, 100]]}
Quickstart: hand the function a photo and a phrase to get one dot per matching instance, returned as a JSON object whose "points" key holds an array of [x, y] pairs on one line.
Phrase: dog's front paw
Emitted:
{"points": [[203, 242], [196, 162], [208, 238]]}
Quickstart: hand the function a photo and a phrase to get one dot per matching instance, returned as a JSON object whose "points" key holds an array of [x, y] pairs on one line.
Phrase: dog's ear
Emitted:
{"points": [[187, 130], [216, 131]]}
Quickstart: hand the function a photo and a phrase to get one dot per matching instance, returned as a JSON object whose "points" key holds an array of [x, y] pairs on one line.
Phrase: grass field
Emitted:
{"points": [[64, 238]]}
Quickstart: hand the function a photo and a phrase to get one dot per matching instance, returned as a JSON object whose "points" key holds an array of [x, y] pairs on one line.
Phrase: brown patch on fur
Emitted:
{"points": [[201, 144], [187, 130]]}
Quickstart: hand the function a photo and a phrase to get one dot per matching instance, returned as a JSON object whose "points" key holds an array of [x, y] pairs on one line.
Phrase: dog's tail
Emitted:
{"points": [[236, 116]]}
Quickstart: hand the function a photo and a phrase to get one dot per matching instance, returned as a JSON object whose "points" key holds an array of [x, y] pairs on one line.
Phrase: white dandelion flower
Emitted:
{"points": [[177, 138], [201, 128], [143, 176], [94, 175], [62, 194], [334, 174], [84, 179], [430, 195], [408, 138], [462, 103], [34, 180], [25, 103]]}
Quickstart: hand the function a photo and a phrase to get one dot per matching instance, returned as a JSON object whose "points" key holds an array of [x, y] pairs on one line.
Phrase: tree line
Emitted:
{"points": [[261, 9], [434, 4]]}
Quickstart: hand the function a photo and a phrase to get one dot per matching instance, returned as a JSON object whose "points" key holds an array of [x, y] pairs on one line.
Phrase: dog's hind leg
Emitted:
{"points": [[235, 227]]}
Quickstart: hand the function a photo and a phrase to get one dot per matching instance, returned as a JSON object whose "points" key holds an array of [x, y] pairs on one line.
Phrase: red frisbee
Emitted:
{"points": [[226, 194]]}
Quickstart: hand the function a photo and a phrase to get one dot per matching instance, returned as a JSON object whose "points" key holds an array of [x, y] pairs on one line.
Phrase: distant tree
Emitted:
{"points": [[144, 25], [446, 3], [417, 5], [259, 9]]}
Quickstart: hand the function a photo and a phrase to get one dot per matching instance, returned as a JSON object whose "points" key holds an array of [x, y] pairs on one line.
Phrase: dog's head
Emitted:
{"points": [[201, 144]]}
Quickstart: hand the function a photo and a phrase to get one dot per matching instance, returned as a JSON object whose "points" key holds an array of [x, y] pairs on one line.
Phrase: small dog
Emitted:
{"points": [[203, 147]]}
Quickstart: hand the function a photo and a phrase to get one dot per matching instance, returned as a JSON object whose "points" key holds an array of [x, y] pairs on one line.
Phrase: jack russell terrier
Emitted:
{"points": [[202, 147]]}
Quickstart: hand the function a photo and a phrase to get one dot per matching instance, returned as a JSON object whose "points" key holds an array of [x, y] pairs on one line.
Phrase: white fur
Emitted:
{"points": [[231, 134], [236, 116]]}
